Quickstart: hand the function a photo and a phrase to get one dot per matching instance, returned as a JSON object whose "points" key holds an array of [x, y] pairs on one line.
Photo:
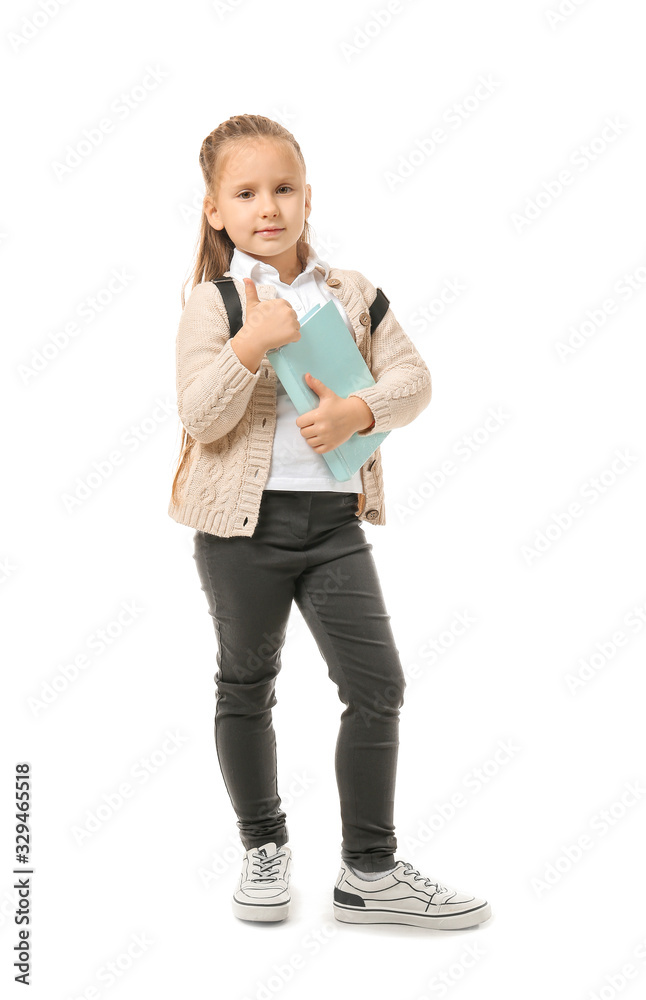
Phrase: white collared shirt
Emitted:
{"points": [[294, 464]]}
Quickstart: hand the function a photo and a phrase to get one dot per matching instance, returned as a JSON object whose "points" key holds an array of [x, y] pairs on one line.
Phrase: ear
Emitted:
{"points": [[211, 213]]}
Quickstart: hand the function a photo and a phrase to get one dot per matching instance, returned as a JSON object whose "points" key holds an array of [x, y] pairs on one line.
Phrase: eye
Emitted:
{"points": [[282, 187]]}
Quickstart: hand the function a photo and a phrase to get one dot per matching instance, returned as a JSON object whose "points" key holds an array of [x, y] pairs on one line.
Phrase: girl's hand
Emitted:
{"points": [[334, 420], [270, 323]]}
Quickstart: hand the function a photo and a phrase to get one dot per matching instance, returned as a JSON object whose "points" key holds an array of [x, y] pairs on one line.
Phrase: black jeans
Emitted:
{"points": [[309, 547]]}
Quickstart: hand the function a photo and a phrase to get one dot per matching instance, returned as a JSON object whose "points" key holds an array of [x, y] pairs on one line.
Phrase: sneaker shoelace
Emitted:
{"points": [[265, 866], [409, 870]]}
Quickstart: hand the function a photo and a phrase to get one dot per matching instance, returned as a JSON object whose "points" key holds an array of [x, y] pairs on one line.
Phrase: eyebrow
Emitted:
{"points": [[243, 183]]}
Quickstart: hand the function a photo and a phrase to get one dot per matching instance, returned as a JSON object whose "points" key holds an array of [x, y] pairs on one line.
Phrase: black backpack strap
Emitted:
{"points": [[378, 310], [232, 303], [233, 306]]}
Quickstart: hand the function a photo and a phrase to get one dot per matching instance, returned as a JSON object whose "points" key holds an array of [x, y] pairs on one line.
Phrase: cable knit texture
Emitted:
{"points": [[231, 412]]}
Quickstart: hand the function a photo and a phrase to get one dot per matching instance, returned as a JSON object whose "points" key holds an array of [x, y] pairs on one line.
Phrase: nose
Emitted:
{"points": [[268, 207]]}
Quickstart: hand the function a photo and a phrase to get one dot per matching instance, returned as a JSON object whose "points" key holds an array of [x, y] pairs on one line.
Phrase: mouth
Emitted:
{"points": [[271, 229]]}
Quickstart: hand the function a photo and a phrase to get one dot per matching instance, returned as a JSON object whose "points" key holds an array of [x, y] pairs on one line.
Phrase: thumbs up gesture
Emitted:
{"points": [[251, 293], [270, 322]]}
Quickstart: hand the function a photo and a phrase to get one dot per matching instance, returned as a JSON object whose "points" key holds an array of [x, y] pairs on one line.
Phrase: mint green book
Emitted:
{"points": [[328, 351]]}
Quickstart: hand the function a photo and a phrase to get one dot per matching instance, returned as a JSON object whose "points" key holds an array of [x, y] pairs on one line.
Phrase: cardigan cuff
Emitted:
{"points": [[233, 368], [374, 398]]}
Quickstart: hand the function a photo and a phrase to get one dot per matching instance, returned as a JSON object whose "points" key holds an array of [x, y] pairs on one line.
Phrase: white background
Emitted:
{"points": [[360, 98]]}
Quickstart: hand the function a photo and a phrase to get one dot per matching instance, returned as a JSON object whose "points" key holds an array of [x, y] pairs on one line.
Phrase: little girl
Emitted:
{"points": [[274, 526]]}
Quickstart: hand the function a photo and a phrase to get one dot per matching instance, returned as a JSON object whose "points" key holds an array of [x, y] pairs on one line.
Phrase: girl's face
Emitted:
{"points": [[261, 187]]}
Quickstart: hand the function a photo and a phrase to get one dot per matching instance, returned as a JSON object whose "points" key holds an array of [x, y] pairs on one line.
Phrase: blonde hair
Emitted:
{"points": [[215, 248]]}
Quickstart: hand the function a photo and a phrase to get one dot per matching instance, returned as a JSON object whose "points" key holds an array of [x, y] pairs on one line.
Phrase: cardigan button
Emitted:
{"points": [[372, 514], [334, 282], [364, 319]]}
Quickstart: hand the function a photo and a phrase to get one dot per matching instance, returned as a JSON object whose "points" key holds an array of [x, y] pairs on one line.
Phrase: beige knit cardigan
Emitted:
{"points": [[231, 412]]}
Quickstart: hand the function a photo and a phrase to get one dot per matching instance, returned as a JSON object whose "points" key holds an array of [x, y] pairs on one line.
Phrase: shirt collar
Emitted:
{"points": [[243, 265]]}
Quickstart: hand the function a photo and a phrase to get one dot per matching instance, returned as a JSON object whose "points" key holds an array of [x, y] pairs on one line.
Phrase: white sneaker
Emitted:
{"points": [[405, 897], [263, 886]]}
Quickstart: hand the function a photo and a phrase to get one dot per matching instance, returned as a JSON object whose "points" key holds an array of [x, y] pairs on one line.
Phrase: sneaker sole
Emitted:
{"points": [[260, 911], [446, 922]]}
